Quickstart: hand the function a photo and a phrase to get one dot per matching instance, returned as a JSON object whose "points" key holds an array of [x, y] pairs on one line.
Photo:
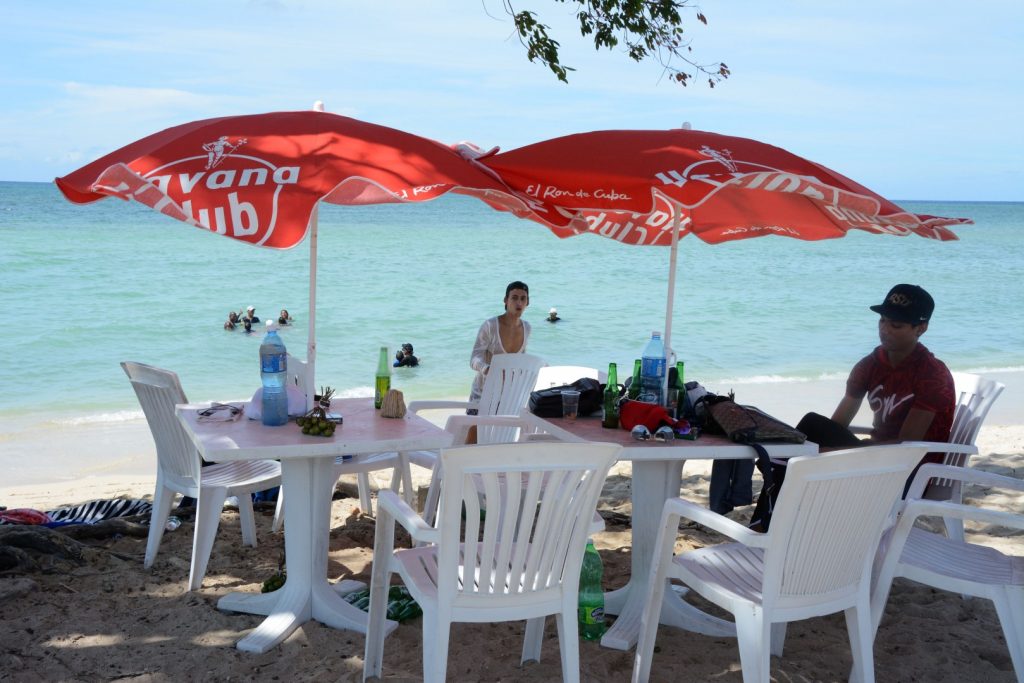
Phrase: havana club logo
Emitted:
{"points": [[225, 191]]}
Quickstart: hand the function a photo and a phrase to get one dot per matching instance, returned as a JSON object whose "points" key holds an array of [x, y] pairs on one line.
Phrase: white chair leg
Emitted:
{"points": [[754, 636], [278, 511], [433, 494], [374, 657], [569, 644], [363, 482], [655, 594], [403, 472], [208, 509], [778, 638], [533, 640], [247, 519], [435, 647], [163, 498], [861, 632], [1009, 605]]}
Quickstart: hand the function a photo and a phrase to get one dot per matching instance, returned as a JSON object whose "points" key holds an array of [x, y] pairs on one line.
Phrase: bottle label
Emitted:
{"points": [[273, 362], [652, 367], [591, 615]]}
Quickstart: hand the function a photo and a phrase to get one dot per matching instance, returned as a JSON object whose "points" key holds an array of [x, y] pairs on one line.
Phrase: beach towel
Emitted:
{"points": [[97, 511]]}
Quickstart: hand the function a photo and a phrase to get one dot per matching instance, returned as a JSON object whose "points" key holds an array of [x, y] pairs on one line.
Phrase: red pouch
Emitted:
{"points": [[633, 413]]}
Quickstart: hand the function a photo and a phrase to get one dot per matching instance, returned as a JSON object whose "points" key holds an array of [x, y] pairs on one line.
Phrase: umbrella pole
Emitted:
{"points": [[677, 217], [314, 220]]}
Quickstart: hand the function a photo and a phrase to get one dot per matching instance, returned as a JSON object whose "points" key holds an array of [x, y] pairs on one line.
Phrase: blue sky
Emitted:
{"points": [[916, 100]]}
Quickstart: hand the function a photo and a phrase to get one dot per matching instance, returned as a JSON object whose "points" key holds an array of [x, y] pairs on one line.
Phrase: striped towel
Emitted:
{"points": [[97, 511]]}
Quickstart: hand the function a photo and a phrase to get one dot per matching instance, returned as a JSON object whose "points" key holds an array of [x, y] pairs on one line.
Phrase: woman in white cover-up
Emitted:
{"points": [[506, 333]]}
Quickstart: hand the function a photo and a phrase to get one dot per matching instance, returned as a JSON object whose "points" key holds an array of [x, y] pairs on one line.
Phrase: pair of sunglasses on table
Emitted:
{"points": [[663, 433], [220, 412]]}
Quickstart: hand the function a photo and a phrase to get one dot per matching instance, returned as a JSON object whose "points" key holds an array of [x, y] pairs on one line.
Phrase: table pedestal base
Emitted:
{"points": [[306, 594], [655, 482]]}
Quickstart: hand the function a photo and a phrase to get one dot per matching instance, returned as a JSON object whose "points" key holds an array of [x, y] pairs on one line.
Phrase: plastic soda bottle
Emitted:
{"points": [[274, 371], [611, 399], [591, 598], [634, 384], [652, 370], [383, 382]]}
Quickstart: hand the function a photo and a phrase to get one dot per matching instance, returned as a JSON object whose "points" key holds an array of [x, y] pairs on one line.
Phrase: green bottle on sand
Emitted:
{"points": [[591, 598]]}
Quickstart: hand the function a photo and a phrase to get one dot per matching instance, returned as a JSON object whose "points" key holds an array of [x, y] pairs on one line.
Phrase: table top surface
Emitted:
{"points": [[706, 447], [363, 430]]}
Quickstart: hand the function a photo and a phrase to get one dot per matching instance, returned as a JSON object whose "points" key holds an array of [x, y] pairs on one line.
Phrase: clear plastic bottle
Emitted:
{"points": [[652, 371], [274, 372], [591, 598], [172, 523]]}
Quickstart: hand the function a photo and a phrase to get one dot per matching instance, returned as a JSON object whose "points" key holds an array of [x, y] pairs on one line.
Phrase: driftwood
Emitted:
{"points": [[23, 549], [29, 548]]}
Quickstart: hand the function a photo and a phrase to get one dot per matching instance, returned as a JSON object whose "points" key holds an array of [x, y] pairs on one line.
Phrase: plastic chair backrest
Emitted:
{"points": [[158, 392], [506, 391], [540, 499], [975, 396], [828, 521]]}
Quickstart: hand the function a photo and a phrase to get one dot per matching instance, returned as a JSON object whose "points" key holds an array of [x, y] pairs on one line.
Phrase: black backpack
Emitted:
{"points": [[548, 402]]}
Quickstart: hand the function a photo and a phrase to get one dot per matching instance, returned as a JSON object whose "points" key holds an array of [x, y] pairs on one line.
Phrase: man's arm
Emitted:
{"points": [[847, 410], [916, 425]]}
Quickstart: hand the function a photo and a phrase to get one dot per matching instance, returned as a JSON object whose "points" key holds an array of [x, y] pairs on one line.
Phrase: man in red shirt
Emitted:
{"points": [[909, 390]]}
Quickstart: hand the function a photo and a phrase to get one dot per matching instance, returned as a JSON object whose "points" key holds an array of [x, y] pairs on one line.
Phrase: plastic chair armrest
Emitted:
{"points": [[458, 425], [935, 508], [964, 474], [397, 508], [715, 521], [416, 406]]}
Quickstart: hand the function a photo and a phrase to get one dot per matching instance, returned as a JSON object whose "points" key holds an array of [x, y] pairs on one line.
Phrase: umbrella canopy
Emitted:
{"points": [[259, 178], [651, 187]]}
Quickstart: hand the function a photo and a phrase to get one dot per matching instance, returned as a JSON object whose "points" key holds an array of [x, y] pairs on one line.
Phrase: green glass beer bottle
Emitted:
{"points": [[383, 383], [682, 401], [634, 384], [611, 399]]}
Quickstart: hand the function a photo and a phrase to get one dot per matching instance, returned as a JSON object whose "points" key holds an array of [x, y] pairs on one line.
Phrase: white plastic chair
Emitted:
{"points": [[953, 564], [179, 471], [522, 564], [815, 560], [975, 396], [506, 391]]}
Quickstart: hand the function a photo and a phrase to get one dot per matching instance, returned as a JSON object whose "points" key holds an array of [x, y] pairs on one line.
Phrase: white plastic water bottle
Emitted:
{"points": [[274, 371], [652, 370]]}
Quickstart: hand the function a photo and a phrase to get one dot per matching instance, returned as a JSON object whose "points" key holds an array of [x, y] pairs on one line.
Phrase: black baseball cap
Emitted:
{"points": [[908, 304]]}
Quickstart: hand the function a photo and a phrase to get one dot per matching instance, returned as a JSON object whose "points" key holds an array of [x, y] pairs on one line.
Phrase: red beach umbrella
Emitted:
{"points": [[259, 178], [651, 187]]}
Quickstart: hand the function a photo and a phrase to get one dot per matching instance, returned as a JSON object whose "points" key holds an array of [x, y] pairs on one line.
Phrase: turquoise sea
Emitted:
{"points": [[84, 287]]}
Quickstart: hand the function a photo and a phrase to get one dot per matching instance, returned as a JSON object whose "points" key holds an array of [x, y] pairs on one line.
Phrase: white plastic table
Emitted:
{"points": [[657, 476], [306, 463]]}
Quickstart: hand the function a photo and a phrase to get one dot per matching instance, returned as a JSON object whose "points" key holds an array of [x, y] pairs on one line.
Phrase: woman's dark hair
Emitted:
{"points": [[516, 285]]}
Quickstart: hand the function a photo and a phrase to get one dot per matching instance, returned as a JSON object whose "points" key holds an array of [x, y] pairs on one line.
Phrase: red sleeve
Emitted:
{"points": [[860, 376]]}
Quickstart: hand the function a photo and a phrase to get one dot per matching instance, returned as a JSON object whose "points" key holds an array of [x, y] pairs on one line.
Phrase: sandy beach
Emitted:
{"points": [[106, 618]]}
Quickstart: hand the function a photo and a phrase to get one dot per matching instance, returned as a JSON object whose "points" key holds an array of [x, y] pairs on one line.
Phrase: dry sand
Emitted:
{"points": [[109, 619]]}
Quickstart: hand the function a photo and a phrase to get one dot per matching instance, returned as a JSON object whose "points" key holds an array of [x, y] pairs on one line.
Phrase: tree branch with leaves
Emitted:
{"points": [[645, 28]]}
